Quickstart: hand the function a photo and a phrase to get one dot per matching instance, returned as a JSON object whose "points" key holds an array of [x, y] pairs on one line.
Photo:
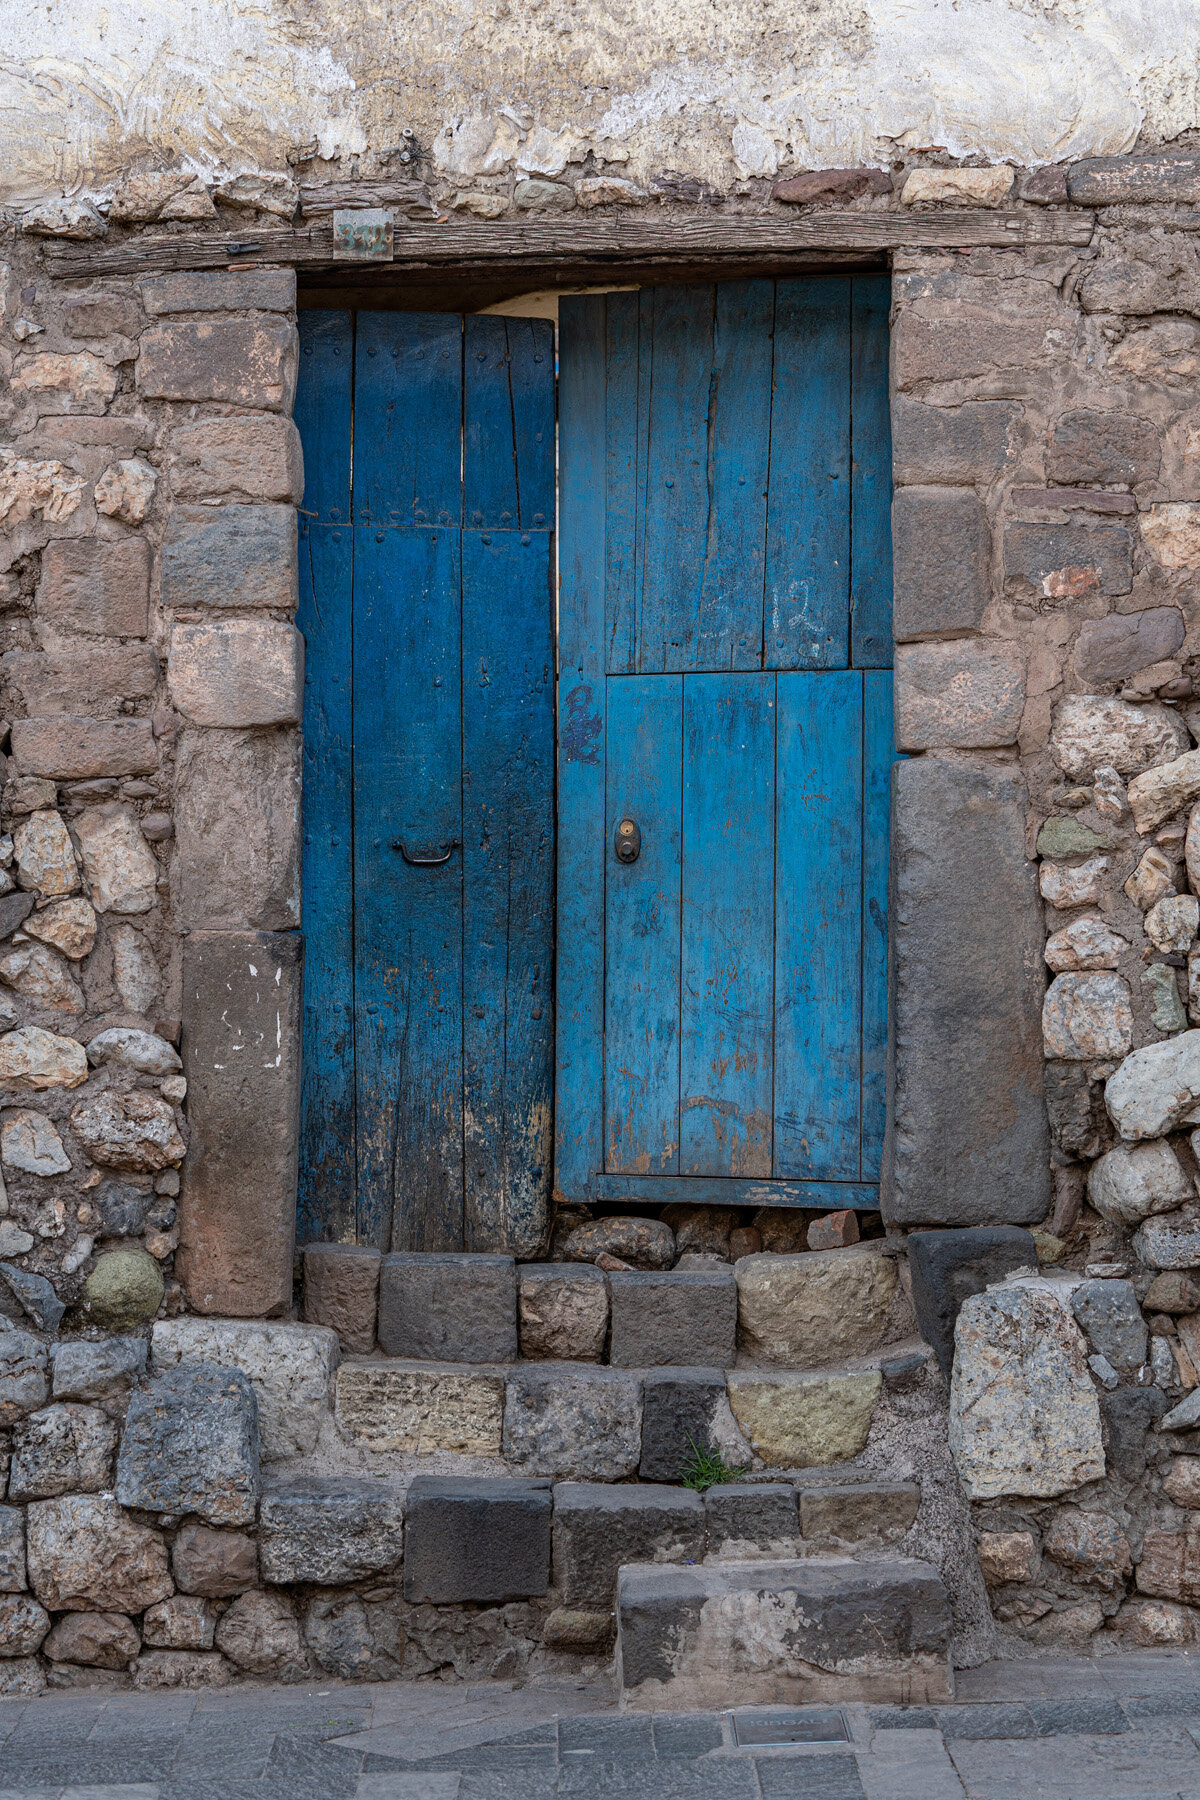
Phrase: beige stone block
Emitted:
{"points": [[78, 681], [248, 362], [47, 486], [1172, 533], [66, 925], [967, 695], [46, 862], [237, 830], [1006, 1556], [1087, 1017], [1160, 792], [42, 1059], [1170, 1564], [958, 187], [117, 861], [260, 459], [805, 1421], [72, 749], [419, 1408], [237, 672], [78, 382], [814, 1308], [125, 490]]}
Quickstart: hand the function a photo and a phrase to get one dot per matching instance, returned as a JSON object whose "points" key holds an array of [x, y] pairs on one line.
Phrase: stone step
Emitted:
{"points": [[766, 1633]]}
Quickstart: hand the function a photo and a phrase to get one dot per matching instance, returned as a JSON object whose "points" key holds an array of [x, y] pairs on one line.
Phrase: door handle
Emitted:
{"points": [[424, 862], [627, 842]]}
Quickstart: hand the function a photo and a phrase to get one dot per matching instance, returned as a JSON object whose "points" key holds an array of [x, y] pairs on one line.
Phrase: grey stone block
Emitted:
{"points": [[1109, 649], [940, 559], [239, 556], [1128, 1415], [23, 1375], [967, 1140], [569, 1421], [953, 444], [13, 1575], [482, 1540], [960, 694], [191, 1446], [1109, 1313], [332, 1528], [1061, 560], [237, 830], [341, 1290], [1104, 447], [679, 1410], [63, 1449], [247, 362], [1074, 1109], [95, 1371], [948, 1266], [672, 1318], [598, 1528], [441, 1307], [1165, 175], [865, 1512], [35, 1297], [249, 290], [752, 1518], [563, 1310]]}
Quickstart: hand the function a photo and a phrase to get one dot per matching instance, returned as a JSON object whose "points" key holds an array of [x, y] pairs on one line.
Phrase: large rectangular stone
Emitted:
{"points": [[241, 1057], [237, 672], [247, 362], [483, 1540], [97, 586], [1106, 447], [237, 290], [237, 830], [671, 1318], [231, 555], [597, 1528], [448, 1308], [290, 1367], [418, 1408], [330, 1528], [859, 1513], [259, 458], [66, 748], [965, 695], [573, 1421], [341, 1290], [751, 1520], [1164, 175], [190, 1445], [967, 1140], [797, 1421], [954, 444], [1064, 562], [940, 561], [78, 681]]}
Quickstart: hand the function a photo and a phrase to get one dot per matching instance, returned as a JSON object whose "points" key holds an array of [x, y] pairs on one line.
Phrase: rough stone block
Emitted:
{"points": [[1062, 562], [968, 1141], [447, 1307], [783, 1632], [101, 315], [751, 1520], [949, 1266], [476, 1540], [1165, 175], [682, 1410], [237, 830], [78, 681], [73, 749], [1170, 1564], [237, 1212], [418, 1409], [568, 1421], [23, 1378], [180, 1669], [61, 1450], [341, 1290], [805, 1421], [94, 1640], [236, 672], [213, 1564], [248, 290], [23, 1626], [968, 694], [940, 559], [868, 1511], [331, 1529], [13, 1575], [1091, 732], [247, 362], [184, 1622], [1106, 448], [562, 1311], [190, 1445], [231, 555], [1111, 649], [673, 1318], [260, 1633], [85, 1553], [121, 872], [261, 459], [816, 1307], [1109, 1313], [290, 1368], [954, 444], [598, 1528]]}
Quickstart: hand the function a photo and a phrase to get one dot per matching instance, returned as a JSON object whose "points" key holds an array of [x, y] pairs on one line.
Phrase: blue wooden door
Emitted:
{"points": [[724, 685], [426, 554]]}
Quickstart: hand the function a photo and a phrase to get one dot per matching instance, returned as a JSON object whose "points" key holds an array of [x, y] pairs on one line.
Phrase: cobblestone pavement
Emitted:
{"points": [[1112, 1729]]}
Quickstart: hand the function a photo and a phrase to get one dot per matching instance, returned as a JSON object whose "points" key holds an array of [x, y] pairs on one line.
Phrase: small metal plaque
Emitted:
{"points": [[789, 1725], [363, 234]]}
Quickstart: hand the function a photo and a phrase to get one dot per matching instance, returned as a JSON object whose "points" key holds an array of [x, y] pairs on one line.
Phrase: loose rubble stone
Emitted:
{"points": [[1156, 1089], [1114, 648], [121, 871], [68, 926], [673, 1317], [1084, 944], [97, 1371], [805, 1421], [1110, 1315], [448, 1307], [125, 490], [751, 1520], [1172, 923], [1109, 795], [180, 1669], [1070, 837], [1132, 1182], [476, 1540], [62, 1450], [701, 1228], [1181, 1483], [122, 1209], [867, 1512], [562, 1311], [1152, 880], [597, 1528], [1024, 1418], [213, 1564], [23, 1625], [1157, 1624], [1170, 1242], [1167, 1012], [947, 1266], [330, 1529], [190, 1445], [100, 1640], [1128, 1416], [75, 383], [1172, 534], [14, 910], [1087, 1017], [341, 1291], [964, 695], [23, 1380], [135, 971], [128, 1131], [747, 1240], [1164, 790], [814, 1308], [42, 1059], [13, 1574], [1185, 1415], [124, 1290], [1091, 1545], [417, 1410], [46, 486], [834, 1231], [86, 1554], [643, 1243], [288, 1366], [35, 971], [1006, 1556], [1170, 1564], [184, 1622], [1064, 885], [260, 1634], [1091, 732], [23, 1675], [573, 1422], [140, 1051], [45, 855], [35, 1296], [683, 1410], [1172, 1292], [14, 1241], [831, 184], [337, 1631]]}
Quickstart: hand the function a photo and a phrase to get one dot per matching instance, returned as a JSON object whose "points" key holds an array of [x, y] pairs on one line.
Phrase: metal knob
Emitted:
{"points": [[627, 842]]}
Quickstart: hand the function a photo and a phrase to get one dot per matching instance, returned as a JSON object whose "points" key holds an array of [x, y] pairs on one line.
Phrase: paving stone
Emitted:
{"points": [[562, 1311], [476, 1540], [805, 1421], [239, 556], [597, 1528], [289, 1367], [748, 1520], [673, 1318], [341, 1290], [190, 1445], [330, 1529], [61, 1450], [213, 1564], [682, 1410], [817, 1307], [86, 1554], [941, 549], [880, 1511], [947, 1266], [94, 1371], [569, 1421], [448, 1307]]}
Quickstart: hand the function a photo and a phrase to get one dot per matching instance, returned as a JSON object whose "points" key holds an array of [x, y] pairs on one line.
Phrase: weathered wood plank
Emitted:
{"points": [[408, 419], [878, 756], [624, 431], [411, 197], [725, 1190], [675, 479], [508, 423], [324, 412], [729, 628], [870, 475]]}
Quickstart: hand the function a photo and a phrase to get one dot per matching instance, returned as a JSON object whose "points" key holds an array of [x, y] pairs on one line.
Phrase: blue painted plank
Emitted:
{"points": [[808, 520], [531, 372], [878, 757], [727, 925], [323, 410], [818, 926], [508, 423], [729, 627], [725, 1190], [580, 723], [508, 887], [408, 419], [676, 480], [871, 481], [408, 918], [644, 729], [624, 430]]}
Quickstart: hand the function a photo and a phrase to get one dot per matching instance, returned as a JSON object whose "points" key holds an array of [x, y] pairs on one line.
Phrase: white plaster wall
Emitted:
{"points": [[718, 88]]}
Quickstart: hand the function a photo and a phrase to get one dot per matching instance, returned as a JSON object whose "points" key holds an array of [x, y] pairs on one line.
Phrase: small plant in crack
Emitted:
{"points": [[707, 1468]]}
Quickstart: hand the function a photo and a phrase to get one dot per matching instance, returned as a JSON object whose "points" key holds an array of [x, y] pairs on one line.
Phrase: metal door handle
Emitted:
{"points": [[424, 862], [627, 842]]}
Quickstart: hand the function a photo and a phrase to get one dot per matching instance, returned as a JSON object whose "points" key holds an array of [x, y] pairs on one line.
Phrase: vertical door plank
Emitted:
{"points": [[871, 480], [808, 520], [531, 371], [729, 628], [677, 479], [727, 926], [878, 757], [508, 887], [622, 437], [323, 412], [579, 1127], [409, 919], [641, 1007], [508, 423], [818, 932], [408, 419]]}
